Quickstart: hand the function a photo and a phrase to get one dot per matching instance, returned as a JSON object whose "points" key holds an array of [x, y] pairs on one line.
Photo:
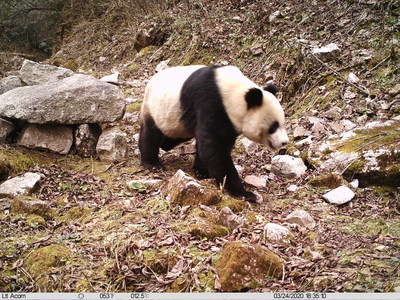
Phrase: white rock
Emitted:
{"points": [[9, 83], [256, 181], [302, 218], [227, 218], [288, 166], [276, 233], [21, 185], [354, 183], [292, 188], [113, 78], [274, 15], [339, 196], [112, 145], [162, 65], [248, 145], [327, 52], [352, 78], [135, 185]]}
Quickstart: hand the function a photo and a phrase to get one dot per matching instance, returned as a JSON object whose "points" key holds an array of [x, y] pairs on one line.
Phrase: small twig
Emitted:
{"points": [[365, 92]]}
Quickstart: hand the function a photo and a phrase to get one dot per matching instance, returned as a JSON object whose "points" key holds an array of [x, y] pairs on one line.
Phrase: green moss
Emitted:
{"points": [[242, 266], [133, 107], [236, 205], [77, 214], [330, 180], [208, 230], [71, 64], [13, 162], [32, 206], [46, 260], [160, 260]]}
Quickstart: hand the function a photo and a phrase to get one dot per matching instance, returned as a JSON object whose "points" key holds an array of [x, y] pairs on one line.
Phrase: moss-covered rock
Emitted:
{"points": [[242, 266], [185, 190], [32, 206], [330, 180]]}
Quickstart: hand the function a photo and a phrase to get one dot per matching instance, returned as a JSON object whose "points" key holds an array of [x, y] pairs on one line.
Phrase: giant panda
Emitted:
{"points": [[214, 104]]}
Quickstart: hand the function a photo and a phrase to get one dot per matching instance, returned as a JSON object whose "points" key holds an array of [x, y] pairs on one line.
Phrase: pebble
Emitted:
{"points": [[339, 196]]}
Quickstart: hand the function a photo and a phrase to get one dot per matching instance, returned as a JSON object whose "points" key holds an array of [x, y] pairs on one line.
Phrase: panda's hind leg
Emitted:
{"points": [[150, 138], [169, 143]]}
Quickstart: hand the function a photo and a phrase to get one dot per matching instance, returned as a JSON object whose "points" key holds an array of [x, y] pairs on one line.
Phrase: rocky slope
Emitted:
{"points": [[85, 224]]}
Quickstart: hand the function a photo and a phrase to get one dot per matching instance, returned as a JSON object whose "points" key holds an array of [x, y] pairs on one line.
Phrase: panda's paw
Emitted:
{"points": [[153, 165], [247, 196], [250, 197], [201, 174]]}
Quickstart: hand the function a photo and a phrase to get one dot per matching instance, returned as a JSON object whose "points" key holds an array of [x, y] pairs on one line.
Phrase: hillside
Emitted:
{"points": [[91, 231]]}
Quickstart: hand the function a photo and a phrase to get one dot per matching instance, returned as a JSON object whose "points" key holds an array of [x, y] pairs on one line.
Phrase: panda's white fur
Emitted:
{"points": [[214, 104], [162, 102]]}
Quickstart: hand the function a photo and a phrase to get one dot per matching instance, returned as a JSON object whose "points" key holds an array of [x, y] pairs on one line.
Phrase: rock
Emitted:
{"points": [[288, 166], [330, 180], [394, 91], [338, 161], [354, 183], [249, 146], [337, 127], [162, 65], [113, 78], [112, 145], [143, 39], [56, 138], [256, 49], [186, 190], [244, 266], [300, 131], [352, 78], [335, 113], [21, 185], [6, 128], [9, 83], [256, 181], [302, 218], [227, 218], [29, 205], [339, 195], [276, 14], [86, 138], [78, 99], [33, 73], [277, 233], [292, 188], [141, 185], [326, 53]]}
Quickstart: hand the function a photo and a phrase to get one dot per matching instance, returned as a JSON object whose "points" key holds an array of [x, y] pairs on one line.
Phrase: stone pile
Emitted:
{"points": [[52, 108]]}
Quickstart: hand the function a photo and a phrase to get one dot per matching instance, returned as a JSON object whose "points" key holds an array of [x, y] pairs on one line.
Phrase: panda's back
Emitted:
{"points": [[162, 100]]}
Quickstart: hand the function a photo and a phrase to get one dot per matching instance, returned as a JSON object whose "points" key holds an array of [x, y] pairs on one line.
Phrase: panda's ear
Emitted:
{"points": [[254, 97], [270, 87]]}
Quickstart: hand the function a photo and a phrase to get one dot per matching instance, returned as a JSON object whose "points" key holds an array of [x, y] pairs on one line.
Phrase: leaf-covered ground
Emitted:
{"points": [[101, 236]]}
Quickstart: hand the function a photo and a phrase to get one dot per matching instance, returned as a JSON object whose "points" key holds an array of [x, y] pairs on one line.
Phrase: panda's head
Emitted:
{"points": [[264, 119]]}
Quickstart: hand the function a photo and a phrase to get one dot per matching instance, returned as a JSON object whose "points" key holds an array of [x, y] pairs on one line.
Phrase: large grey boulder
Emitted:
{"points": [[78, 99], [56, 138], [32, 73]]}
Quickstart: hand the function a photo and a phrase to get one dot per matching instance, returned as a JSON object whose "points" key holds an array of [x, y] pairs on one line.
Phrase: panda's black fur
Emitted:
{"points": [[204, 117]]}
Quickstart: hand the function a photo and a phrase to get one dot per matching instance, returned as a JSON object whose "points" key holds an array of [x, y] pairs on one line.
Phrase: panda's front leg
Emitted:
{"points": [[216, 156]]}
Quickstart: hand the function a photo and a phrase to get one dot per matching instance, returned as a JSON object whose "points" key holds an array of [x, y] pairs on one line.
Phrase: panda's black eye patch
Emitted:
{"points": [[274, 127]]}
